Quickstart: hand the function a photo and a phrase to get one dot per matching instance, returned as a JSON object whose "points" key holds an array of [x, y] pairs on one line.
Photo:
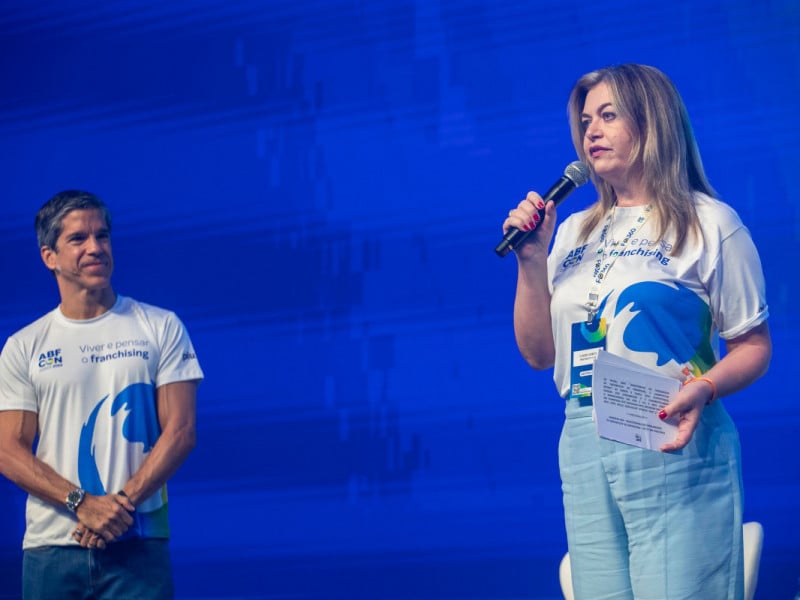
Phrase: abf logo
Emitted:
{"points": [[51, 359], [574, 257]]}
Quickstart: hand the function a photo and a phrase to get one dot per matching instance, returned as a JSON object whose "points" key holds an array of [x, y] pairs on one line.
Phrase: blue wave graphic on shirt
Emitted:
{"points": [[669, 320], [140, 425]]}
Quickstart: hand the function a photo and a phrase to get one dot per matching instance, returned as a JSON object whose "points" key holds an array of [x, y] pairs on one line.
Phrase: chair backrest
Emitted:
{"points": [[565, 578], [753, 535], [753, 542]]}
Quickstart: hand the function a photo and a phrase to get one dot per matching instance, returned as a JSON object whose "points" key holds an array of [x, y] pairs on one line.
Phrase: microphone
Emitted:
{"points": [[575, 175]]}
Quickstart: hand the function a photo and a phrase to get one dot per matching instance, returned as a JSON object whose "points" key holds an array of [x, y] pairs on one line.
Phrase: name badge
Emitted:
{"points": [[587, 340]]}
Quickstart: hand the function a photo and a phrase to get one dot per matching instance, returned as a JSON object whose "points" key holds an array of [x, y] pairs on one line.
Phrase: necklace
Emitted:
{"points": [[607, 255]]}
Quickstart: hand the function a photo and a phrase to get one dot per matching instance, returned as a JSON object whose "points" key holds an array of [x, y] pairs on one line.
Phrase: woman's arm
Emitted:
{"points": [[532, 323], [747, 359]]}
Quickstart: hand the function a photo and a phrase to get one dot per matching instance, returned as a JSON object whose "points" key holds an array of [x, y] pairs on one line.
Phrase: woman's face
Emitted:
{"points": [[607, 140]]}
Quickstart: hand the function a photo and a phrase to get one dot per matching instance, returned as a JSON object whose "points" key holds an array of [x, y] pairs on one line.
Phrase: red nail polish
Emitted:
{"points": [[662, 414], [536, 218]]}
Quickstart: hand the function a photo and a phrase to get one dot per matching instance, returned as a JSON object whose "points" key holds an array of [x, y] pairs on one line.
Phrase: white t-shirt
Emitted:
{"points": [[662, 311], [92, 384]]}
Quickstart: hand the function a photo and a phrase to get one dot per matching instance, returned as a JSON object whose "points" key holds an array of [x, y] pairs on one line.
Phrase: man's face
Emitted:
{"points": [[82, 258]]}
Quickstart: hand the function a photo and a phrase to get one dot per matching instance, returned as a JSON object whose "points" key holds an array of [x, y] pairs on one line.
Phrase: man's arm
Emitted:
{"points": [[176, 404], [106, 515]]}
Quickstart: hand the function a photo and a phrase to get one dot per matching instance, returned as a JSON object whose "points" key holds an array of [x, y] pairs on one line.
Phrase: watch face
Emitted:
{"points": [[74, 498]]}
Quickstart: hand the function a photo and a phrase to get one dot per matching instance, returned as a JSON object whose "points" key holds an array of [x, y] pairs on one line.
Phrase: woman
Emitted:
{"points": [[656, 271]]}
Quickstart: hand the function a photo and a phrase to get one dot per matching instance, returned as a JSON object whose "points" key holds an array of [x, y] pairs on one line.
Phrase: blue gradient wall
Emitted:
{"points": [[316, 188]]}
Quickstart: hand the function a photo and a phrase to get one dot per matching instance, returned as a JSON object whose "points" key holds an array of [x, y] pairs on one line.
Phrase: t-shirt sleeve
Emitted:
{"points": [[16, 388], [568, 230], [737, 291], [178, 361]]}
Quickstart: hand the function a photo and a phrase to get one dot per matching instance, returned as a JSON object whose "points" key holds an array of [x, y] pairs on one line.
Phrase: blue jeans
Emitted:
{"points": [[136, 569], [650, 525]]}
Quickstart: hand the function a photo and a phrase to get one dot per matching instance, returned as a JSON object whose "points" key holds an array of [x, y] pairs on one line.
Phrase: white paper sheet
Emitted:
{"points": [[627, 398]]}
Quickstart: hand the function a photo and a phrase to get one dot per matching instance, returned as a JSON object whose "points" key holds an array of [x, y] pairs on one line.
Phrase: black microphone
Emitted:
{"points": [[575, 175]]}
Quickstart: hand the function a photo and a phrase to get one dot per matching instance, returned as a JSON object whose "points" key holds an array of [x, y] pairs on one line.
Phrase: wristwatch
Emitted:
{"points": [[74, 498]]}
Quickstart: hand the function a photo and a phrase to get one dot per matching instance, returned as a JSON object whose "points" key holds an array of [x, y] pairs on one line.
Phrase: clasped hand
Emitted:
{"points": [[102, 519]]}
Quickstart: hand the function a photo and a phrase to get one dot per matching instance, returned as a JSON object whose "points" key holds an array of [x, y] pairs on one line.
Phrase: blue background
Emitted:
{"points": [[316, 187]]}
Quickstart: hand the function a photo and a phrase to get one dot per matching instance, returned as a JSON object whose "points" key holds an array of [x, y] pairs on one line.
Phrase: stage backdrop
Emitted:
{"points": [[316, 188]]}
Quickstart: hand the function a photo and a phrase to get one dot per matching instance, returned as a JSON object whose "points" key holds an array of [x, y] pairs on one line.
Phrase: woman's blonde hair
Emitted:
{"points": [[664, 146]]}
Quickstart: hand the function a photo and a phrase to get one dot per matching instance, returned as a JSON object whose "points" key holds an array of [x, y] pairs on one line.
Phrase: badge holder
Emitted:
{"points": [[588, 338]]}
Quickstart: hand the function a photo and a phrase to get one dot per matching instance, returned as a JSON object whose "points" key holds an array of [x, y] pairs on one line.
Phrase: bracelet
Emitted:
{"points": [[709, 381]]}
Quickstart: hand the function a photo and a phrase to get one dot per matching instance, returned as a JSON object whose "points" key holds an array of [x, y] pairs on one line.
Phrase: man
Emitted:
{"points": [[108, 384]]}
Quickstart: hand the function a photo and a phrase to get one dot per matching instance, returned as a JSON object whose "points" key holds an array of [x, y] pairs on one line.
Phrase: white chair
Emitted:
{"points": [[565, 578], [753, 542]]}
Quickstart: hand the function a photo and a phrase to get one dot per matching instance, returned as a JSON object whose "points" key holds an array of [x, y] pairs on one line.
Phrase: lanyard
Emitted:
{"points": [[606, 259]]}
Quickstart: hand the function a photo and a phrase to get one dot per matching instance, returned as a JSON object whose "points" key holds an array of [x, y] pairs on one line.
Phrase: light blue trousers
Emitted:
{"points": [[648, 525]]}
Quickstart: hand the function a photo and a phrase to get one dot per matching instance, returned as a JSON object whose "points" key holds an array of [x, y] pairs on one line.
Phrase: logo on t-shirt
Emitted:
{"points": [[574, 257], [50, 359]]}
